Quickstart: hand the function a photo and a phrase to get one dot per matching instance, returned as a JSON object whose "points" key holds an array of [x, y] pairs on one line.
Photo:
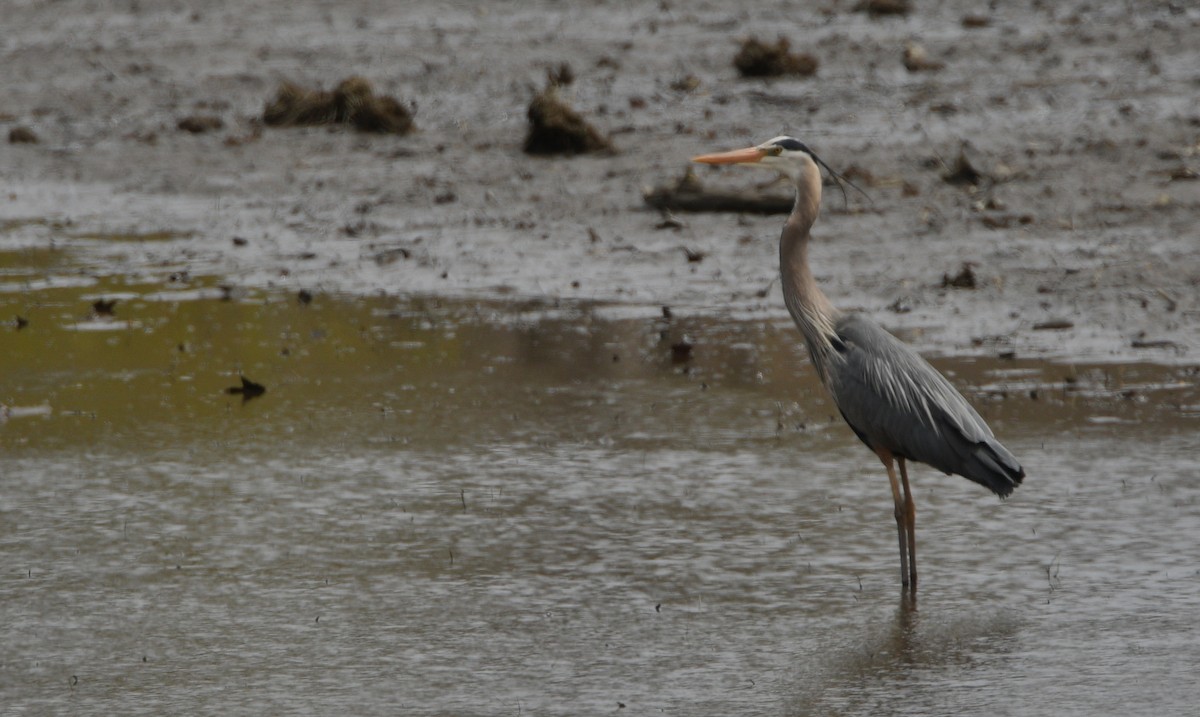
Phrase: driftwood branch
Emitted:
{"points": [[687, 194]]}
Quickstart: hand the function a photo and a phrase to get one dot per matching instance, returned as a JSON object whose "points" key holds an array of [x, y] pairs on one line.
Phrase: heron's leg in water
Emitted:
{"points": [[910, 514], [901, 515]]}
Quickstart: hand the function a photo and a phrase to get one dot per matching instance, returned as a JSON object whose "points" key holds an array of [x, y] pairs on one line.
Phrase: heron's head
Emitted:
{"points": [[786, 155]]}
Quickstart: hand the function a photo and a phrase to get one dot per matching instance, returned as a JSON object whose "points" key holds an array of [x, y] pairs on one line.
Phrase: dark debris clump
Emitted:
{"points": [[963, 173], [22, 135], [964, 279], [759, 59], [556, 128], [352, 102], [878, 8], [199, 124]]}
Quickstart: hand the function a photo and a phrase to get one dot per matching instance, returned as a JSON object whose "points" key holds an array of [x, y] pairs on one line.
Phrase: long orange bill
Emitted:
{"points": [[737, 156]]}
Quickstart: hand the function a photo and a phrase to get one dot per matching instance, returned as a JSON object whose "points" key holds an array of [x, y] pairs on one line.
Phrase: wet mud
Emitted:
{"points": [[1078, 122]]}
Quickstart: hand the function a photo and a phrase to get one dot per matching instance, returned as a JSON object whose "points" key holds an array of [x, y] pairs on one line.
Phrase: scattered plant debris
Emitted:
{"points": [[1171, 303], [681, 351], [1004, 221], [560, 76], [392, 255], [1141, 343], [860, 175], [1183, 174], [964, 279], [1054, 325], [556, 128], [253, 135], [199, 124], [669, 221], [963, 173], [902, 305], [352, 102], [687, 83], [248, 390], [22, 135], [877, 8], [917, 60], [759, 59]]}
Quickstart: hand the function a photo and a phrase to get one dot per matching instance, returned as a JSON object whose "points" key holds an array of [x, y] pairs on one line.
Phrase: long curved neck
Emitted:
{"points": [[809, 307]]}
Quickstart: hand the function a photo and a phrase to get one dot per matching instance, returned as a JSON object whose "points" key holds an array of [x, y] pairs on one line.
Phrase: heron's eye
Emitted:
{"points": [[774, 150]]}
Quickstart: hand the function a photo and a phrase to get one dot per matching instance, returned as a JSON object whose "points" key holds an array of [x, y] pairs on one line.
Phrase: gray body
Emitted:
{"points": [[897, 403], [894, 400]]}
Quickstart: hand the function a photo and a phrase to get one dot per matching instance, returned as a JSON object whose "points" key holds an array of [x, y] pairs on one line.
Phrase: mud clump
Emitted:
{"points": [[352, 102], [963, 173], [756, 58], [556, 128], [199, 124], [917, 60], [22, 135], [964, 279], [879, 8]]}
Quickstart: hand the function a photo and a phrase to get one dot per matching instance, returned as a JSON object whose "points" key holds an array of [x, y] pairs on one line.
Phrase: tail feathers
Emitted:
{"points": [[991, 465]]}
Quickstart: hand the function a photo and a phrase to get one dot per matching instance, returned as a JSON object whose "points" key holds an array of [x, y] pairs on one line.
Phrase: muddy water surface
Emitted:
{"points": [[474, 508]]}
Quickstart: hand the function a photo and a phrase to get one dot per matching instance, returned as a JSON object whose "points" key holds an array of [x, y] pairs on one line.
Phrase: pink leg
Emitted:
{"points": [[900, 513]]}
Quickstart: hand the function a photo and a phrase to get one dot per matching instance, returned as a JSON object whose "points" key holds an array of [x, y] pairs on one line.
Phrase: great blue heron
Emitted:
{"points": [[898, 404]]}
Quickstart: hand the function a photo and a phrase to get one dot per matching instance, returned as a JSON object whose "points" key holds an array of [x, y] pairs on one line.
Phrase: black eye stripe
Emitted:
{"points": [[792, 145]]}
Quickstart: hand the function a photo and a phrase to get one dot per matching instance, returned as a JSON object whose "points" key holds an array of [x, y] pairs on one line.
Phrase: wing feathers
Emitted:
{"points": [[894, 399]]}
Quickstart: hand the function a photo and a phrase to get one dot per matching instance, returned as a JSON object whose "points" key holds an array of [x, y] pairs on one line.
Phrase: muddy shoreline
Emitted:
{"points": [[1083, 120]]}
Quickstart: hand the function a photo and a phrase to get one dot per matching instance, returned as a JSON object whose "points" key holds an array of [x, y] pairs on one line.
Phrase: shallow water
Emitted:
{"points": [[484, 508]]}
